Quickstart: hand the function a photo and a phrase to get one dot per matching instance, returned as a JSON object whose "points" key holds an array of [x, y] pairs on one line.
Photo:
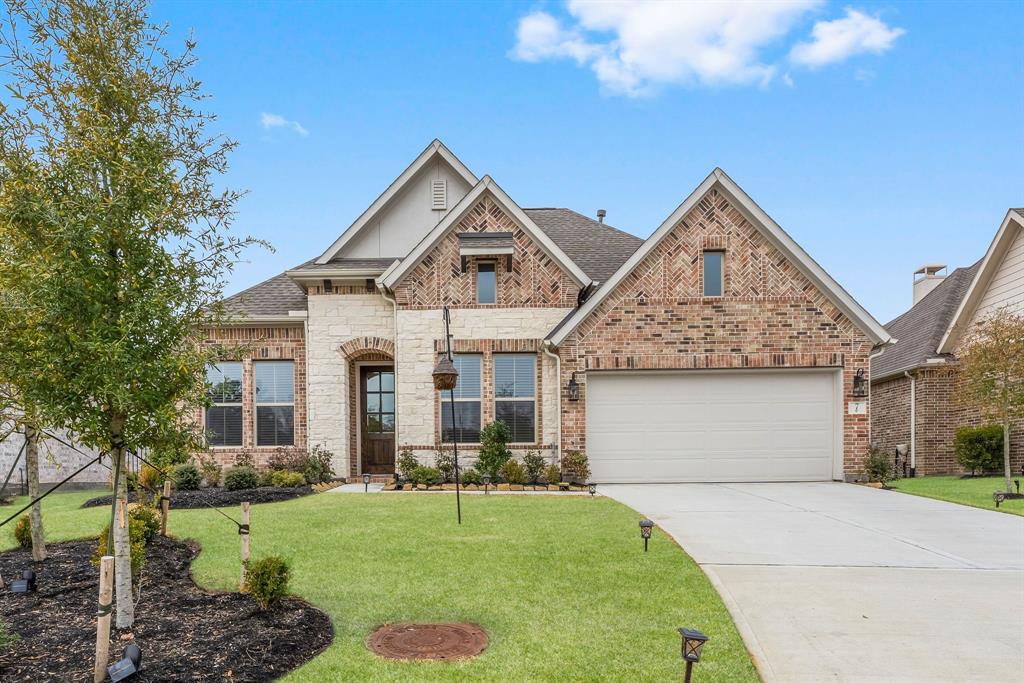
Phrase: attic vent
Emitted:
{"points": [[438, 195]]}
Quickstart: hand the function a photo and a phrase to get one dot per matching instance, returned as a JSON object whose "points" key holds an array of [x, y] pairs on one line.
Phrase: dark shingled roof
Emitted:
{"points": [[919, 330], [276, 296], [597, 248]]}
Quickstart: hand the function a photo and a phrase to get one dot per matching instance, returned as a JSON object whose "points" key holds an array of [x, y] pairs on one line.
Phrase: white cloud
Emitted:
{"points": [[839, 39], [636, 47], [269, 121]]}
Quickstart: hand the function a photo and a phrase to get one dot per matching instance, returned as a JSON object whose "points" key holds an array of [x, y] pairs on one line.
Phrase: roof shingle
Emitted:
{"points": [[597, 248]]}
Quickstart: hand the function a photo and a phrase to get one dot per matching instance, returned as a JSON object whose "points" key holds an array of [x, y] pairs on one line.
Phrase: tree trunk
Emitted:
{"points": [[36, 514], [119, 526], [1006, 456]]}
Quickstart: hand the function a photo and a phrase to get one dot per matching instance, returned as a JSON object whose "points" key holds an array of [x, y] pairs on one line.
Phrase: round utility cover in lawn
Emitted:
{"points": [[428, 641]]}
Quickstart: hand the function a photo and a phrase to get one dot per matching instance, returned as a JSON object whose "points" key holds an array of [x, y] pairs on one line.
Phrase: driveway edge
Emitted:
{"points": [[757, 655]]}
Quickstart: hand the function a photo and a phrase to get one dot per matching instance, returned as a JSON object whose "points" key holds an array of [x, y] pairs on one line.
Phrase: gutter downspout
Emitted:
{"points": [[558, 396], [913, 422], [394, 366]]}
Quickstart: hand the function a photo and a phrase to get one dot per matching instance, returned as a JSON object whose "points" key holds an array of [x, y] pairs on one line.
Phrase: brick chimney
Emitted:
{"points": [[927, 278]]}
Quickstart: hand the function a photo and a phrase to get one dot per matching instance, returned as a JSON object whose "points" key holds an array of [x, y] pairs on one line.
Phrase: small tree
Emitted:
{"points": [[494, 451], [992, 374]]}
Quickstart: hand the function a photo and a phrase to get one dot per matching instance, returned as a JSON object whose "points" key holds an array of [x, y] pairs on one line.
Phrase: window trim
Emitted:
{"points": [[494, 271], [495, 399], [256, 405], [703, 274], [222, 404], [445, 398]]}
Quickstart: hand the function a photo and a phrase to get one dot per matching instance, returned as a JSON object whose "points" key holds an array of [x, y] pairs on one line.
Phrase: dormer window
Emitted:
{"points": [[486, 283]]}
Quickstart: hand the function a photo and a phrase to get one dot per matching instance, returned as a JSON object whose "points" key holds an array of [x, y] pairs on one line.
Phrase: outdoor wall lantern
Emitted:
{"points": [[592, 488], [128, 666], [487, 481], [645, 531], [693, 641], [26, 584], [860, 385], [445, 374], [366, 483], [574, 388]]}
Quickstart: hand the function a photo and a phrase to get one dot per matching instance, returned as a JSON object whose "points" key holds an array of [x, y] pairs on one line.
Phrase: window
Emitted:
{"points": [[713, 272], [514, 399], [224, 417], [275, 403], [486, 284], [380, 402], [467, 402]]}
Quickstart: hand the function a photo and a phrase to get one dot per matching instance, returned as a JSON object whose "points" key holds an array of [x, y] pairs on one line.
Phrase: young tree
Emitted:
{"points": [[992, 373], [113, 242]]}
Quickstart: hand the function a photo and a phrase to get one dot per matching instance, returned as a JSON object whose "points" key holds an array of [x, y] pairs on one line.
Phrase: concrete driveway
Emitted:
{"points": [[836, 582]]}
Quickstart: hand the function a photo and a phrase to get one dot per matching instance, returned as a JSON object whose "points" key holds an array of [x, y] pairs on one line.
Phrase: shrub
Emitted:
{"points": [[150, 477], [425, 475], [407, 463], [512, 472], [186, 477], [288, 460], [576, 466], [878, 466], [137, 540], [23, 531], [210, 471], [288, 480], [266, 580], [146, 518], [552, 475], [318, 466], [979, 448], [494, 450], [244, 459], [241, 477], [267, 478], [471, 476], [534, 464], [444, 462]]}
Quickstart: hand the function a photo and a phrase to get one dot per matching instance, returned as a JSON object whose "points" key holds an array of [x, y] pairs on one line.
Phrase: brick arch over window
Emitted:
{"points": [[362, 345]]}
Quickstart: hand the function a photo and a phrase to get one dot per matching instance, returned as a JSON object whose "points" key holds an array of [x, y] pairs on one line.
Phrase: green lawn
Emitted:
{"points": [[561, 584], [974, 491]]}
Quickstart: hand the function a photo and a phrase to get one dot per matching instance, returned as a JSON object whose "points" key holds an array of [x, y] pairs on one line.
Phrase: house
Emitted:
{"points": [[714, 350], [913, 384]]}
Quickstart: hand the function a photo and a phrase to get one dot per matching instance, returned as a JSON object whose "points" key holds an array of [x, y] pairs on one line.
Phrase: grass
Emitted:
{"points": [[561, 584], [974, 491]]}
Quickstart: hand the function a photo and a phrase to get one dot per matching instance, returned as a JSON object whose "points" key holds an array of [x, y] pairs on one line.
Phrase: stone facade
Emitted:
{"points": [[56, 461], [770, 316], [253, 344]]}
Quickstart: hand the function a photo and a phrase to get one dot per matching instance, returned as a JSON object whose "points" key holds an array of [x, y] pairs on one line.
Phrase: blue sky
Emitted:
{"points": [[879, 135]]}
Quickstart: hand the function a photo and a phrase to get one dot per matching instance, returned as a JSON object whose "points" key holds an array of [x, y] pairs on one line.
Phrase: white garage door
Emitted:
{"points": [[712, 426]]}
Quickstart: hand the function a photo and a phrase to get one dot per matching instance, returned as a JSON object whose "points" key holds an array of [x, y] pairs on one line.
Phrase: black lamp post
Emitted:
{"points": [[366, 482], [693, 641], [645, 531], [446, 377]]}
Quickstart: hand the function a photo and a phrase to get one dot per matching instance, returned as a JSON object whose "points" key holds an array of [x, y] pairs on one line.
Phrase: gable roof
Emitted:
{"points": [[597, 248], [1008, 229], [920, 329], [270, 300], [761, 220], [394, 275], [434, 150]]}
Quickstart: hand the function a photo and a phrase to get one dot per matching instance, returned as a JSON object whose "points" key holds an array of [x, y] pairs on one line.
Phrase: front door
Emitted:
{"points": [[377, 419]]}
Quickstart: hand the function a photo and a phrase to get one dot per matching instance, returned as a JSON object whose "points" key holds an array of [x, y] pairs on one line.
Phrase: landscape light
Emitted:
{"points": [[693, 641], [366, 483], [592, 488], [645, 531], [26, 584], [128, 666], [487, 480]]}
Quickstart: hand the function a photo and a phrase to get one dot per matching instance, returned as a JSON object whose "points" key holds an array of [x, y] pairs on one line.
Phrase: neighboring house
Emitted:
{"points": [[715, 350], [56, 461], [913, 383]]}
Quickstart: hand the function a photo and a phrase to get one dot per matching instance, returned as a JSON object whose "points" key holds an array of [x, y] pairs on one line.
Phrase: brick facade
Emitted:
{"points": [[770, 316], [253, 344]]}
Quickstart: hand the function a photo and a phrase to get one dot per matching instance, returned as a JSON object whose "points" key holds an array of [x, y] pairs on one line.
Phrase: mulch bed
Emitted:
{"points": [[218, 497], [184, 632]]}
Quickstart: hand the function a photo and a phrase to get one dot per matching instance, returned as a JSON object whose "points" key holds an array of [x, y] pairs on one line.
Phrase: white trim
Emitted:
{"points": [[485, 251], [434, 149], [776, 235], [989, 265], [486, 185]]}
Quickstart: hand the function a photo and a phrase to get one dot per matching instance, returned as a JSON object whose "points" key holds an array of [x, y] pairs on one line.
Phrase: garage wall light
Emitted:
{"points": [[860, 385], [573, 388]]}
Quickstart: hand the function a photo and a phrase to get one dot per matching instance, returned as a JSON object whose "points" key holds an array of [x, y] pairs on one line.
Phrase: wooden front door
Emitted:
{"points": [[377, 419]]}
